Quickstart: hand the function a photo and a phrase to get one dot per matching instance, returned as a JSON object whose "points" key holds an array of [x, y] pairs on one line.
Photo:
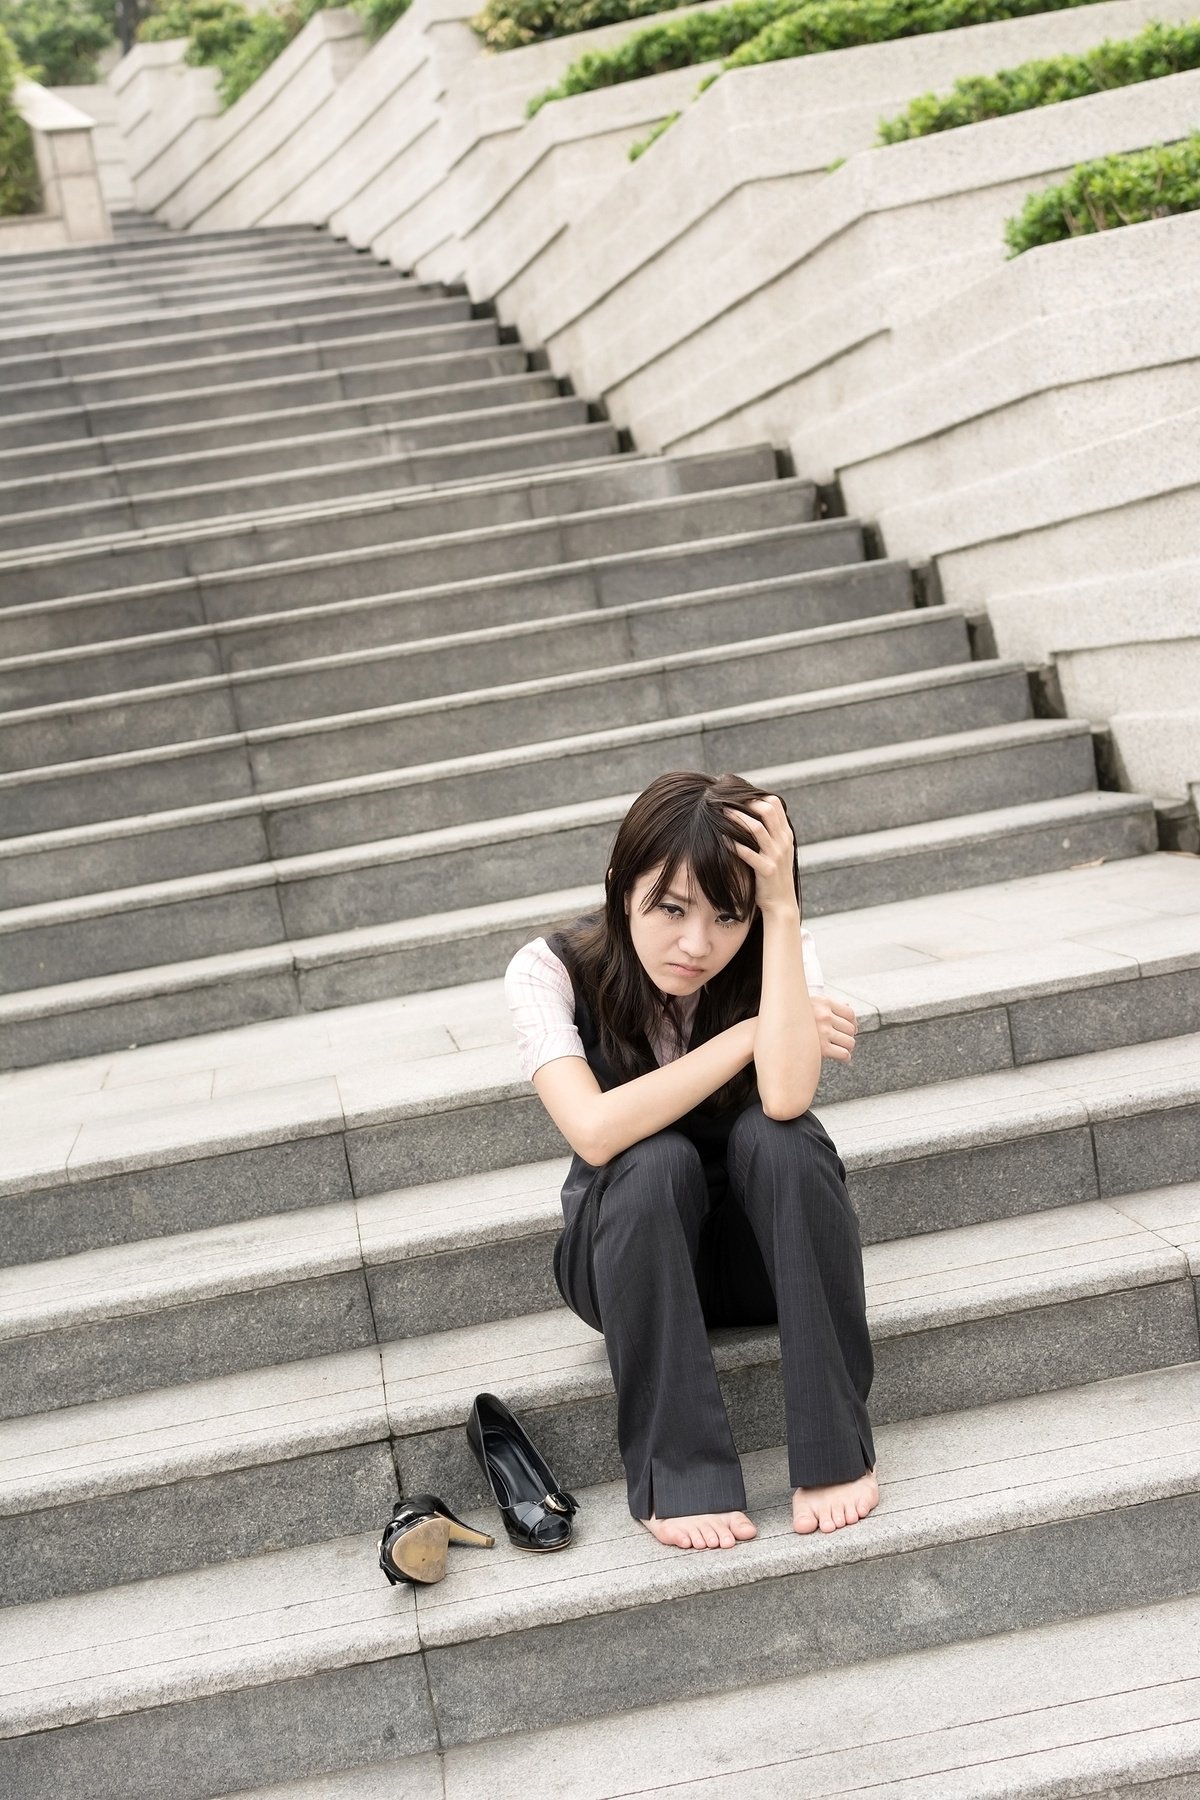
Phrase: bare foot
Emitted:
{"points": [[702, 1531], [844, 1503]]}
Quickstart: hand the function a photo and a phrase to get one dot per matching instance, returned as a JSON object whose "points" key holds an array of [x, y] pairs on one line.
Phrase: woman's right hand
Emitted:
{"points": [[837, 1027]]}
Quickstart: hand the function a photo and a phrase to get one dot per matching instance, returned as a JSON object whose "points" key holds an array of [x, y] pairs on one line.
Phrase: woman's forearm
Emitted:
{"points": [[787, 1045], [626, 1114]]}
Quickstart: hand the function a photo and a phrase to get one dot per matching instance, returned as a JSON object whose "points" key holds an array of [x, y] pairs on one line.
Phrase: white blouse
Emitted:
{"points": [[541, 1001]]}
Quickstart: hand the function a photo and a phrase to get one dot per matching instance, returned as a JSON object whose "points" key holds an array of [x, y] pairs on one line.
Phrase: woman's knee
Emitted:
{"points": [[647, 1177], [667, 1155], [782, 1139]]}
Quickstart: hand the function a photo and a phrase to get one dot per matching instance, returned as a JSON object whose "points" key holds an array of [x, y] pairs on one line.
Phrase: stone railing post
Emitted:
{"points": [[67, 166]]}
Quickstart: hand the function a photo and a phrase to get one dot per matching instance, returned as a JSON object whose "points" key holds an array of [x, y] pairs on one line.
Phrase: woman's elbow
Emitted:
{"points": [[777, 1106], [591, 1142]]}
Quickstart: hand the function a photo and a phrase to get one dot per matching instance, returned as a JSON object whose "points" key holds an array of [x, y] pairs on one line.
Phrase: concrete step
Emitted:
{"points": [[133, 386], [304, 1660], [213, 342], [397, 365], [308, 977], [960, 1317], [200, 702], [191, 839], [192, 414], [138, 235], [550, 585], [1018, 1715], [253, 537], [85, 499], [384, 749], [174, 272], [323, 1107], [309, 448], [154, 320], [467, 1253], [445, 535], [888, 797], [40, 310]]}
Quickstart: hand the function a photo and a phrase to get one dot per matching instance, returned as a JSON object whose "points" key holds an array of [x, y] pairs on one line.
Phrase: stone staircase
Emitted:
{"points": [[336, 638]]}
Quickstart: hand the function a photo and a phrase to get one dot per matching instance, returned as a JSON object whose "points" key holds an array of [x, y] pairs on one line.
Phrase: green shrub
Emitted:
{"points": [[241, 45], [758, 31], [57, 41], [379, 16], [651, 137], [824, 25], [20, 191], [507, 24], [675, 44], [1159, 50], [1112, 191]]}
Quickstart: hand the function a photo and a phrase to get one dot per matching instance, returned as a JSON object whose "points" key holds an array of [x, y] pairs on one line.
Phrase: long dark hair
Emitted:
{"points": [[677, 819]]}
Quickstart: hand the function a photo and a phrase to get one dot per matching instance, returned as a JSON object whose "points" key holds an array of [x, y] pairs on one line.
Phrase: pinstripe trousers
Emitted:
{"points": [[661, 1243]]}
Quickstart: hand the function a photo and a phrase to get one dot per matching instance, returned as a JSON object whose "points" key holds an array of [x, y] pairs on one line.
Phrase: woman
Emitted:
{"points": [[673, 1039]]}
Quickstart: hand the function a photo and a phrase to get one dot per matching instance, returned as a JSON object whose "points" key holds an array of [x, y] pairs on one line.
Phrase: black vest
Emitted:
{"points": [[709, 1131]]}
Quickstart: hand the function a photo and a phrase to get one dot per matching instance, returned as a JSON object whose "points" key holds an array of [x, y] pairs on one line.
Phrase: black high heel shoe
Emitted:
{"points": [[537, 1513], [417, 1537]]}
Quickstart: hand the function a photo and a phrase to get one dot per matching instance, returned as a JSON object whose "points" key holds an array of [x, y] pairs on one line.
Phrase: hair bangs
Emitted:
{"points": [[703, 843]]}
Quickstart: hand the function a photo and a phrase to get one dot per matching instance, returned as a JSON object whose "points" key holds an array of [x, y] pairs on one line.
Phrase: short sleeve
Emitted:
{"points": [[812, 964], [541, 1002]]}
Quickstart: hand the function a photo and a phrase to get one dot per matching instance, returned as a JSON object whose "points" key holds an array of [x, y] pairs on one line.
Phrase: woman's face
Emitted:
{"points": [[683, 941]]}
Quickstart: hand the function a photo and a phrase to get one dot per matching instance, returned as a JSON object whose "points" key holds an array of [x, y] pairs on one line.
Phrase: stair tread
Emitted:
{"points": [[917, 1283], [1001, 1467], [409, 499], [515, 532], [1169, 950], [266, 800], [1032, 1098], [1023, 1713], [826, 853], [374, 500]]}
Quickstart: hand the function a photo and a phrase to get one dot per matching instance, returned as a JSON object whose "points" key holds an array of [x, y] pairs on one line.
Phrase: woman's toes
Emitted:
{"points": [[804, 1518]]}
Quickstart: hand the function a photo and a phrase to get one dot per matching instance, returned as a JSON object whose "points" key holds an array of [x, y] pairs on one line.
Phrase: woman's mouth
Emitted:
{"points": [[685, 969]]}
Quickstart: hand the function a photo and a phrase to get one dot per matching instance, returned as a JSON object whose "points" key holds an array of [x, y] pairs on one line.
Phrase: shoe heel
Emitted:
{"points": [[419, 1553], [466, 1534]]}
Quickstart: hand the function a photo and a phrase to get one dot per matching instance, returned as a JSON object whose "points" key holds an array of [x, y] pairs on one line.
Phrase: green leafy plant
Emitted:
{"points": [[675, 44], [240, 44], [821, 25], [1158, 50], [57, 41], [20, 191], [759, 31], [508, 24], [652, 136], [379, 16], [1111, 191]]}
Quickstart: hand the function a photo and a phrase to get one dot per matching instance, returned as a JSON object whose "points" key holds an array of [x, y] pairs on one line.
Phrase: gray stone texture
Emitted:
{"points": [[197, 1749], [818, 1619], [175, 1196], [154, 1530]]}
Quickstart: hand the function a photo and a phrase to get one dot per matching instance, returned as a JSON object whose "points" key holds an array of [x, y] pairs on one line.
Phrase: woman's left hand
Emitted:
{"points": [[772, 860]]}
